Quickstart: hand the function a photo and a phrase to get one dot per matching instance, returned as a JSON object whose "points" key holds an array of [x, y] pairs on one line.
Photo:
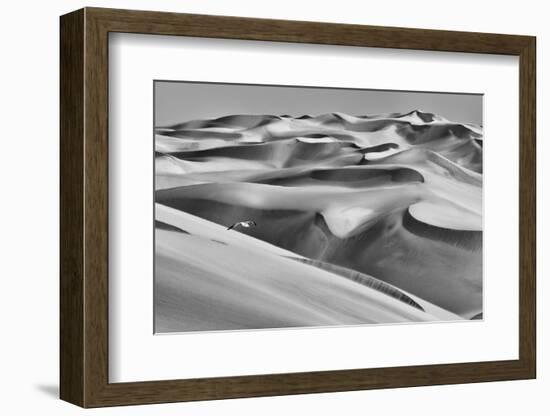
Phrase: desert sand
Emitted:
{"points": [[359, 220]]}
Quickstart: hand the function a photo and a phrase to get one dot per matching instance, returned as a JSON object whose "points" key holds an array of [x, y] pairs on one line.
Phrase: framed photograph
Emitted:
{"points": [[257, 207]]}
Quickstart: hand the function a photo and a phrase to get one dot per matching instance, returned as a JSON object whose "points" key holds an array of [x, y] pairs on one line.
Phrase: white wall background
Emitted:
{"points": [[29, 209]]}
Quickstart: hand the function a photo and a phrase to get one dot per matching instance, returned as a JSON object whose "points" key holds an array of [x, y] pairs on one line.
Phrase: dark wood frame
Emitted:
{"points": [[84, 208]]}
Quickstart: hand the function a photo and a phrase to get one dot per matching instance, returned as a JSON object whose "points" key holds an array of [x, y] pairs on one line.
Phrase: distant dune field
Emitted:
{"points": [[351, 220]]}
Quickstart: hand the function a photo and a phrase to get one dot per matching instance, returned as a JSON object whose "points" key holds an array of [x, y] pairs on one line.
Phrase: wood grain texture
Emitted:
{"points": [[84, 207], [528, 208], [71, 100], [162, 23], [96, 218]]}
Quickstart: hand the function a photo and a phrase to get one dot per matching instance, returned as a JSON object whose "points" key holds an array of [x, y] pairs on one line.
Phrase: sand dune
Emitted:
{"points": [[211, 279], [394, 197], [456, 141]]}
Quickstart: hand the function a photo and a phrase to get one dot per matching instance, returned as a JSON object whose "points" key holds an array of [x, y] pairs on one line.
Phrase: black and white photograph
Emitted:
{"points": [[294, 207]]}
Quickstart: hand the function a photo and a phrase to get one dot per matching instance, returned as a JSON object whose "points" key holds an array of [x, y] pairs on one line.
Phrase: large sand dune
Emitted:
{"points": [[212, 279], [394, 198]]}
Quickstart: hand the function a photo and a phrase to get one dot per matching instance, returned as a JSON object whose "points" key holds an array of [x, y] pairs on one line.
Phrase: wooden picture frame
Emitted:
{"points": [[84, 207]]}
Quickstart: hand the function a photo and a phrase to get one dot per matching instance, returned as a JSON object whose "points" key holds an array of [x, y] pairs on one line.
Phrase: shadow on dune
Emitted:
{"points": [[282, 228], [425, 117], [288, 152], [467, 240], [168, 227], [429, 159], [362, 279], [379, 148], [441, 272], [243, 121], [203, 134], [359, 177]]}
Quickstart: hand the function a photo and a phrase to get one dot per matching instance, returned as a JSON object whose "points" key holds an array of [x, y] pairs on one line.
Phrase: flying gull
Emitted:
{"points": [[244, 224]]}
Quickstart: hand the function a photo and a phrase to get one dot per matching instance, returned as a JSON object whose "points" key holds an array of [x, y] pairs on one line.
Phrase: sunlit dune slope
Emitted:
{"points": [[210, 279]]}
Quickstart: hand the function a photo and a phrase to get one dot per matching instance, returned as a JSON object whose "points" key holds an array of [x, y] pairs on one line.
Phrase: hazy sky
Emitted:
{"points": [[182, 101]]}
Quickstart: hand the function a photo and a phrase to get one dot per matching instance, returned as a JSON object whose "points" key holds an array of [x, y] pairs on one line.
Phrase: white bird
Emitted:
{"points": [[244, 224]]}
